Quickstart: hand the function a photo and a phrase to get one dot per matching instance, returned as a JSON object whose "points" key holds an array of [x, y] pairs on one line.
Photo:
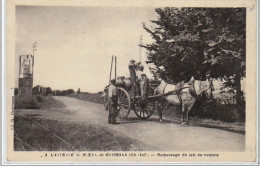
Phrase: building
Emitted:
{"points": [[25, 76]]}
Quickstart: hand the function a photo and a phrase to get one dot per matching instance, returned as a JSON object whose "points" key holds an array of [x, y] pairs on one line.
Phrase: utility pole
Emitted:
{"points": [[111, 68], [34, 49], [115, 67], [140, 48]]}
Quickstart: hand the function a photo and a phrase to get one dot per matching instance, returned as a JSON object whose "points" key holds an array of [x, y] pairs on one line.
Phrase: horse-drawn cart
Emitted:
{"points": [[143, 103], [128, 100], [142, 106]]}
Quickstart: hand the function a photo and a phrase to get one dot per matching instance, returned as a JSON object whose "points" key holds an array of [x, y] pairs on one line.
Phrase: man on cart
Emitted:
{"points": [[135, 70], [144, 86]]}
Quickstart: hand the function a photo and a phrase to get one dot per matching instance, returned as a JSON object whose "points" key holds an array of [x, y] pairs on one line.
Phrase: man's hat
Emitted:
{"points": [[113, 80], [132, 60]]}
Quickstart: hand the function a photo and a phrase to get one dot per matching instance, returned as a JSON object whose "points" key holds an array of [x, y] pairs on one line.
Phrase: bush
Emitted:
{"points": [[215, 109], [39, 98], [48, 90], [91, 97], [64, 92], [25, 103]]}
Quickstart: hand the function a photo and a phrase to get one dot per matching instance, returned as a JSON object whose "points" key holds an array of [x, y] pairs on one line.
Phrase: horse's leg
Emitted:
{"points": [[160, 108], [189, 107], [183, 112]]}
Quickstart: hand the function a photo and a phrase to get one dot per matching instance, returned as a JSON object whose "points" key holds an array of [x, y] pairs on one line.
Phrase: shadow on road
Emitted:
{"points": [[138, 120], [130, 120]]}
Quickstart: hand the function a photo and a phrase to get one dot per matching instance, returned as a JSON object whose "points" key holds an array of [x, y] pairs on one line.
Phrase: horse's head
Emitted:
{"points": [[206, 87], [203, 87]]}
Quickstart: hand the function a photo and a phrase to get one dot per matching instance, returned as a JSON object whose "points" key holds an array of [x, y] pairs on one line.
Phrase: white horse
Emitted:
{"points": [[185, 97]]}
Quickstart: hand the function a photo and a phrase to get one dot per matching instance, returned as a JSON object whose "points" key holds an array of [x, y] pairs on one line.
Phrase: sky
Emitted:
{"points": [[75, 44]]}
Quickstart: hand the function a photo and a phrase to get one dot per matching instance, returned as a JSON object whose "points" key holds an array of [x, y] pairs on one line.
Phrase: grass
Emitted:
{"points": [[49, 102], [37, 102], [91, 97], [78, 137], [26, 103]]}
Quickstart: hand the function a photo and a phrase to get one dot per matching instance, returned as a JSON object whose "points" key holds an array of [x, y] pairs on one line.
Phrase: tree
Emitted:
{"points": [[48, 90], [199, 42]]}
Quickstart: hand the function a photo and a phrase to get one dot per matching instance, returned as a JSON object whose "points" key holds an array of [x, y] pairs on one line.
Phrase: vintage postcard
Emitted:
{"points": [[130, 82]]}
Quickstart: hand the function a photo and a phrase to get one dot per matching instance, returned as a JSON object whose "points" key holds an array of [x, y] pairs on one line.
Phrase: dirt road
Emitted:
{"points": [[167, 136]]}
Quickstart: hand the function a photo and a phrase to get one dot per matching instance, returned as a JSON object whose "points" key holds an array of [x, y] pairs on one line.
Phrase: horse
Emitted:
{"points": [[185, 95]]}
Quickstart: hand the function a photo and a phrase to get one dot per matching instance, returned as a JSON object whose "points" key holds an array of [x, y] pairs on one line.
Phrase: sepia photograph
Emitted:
{"points": [[131, 83]]}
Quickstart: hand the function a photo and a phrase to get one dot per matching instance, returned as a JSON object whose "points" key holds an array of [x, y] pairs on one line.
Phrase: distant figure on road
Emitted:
{"points": [[112, 94]]}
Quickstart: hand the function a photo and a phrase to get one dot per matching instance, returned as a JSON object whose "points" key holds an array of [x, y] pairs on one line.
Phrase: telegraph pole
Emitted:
{"points": [[115, 67], [34, 49], [111, 68], [140, 49]]}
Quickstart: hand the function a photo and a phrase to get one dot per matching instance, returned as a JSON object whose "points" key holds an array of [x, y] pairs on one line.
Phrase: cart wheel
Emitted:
{"points": [[144, 108], [124, 102]]}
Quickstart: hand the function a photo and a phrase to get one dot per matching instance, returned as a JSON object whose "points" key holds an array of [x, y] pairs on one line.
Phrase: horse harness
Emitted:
{"points": [[178, 93], [192, 90]]}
